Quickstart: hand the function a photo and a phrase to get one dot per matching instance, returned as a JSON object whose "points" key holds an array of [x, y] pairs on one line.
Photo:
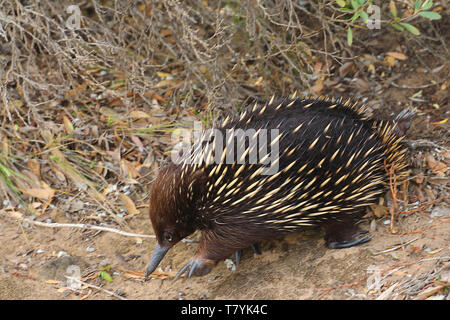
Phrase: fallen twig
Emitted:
{"points": [[396, 247], [97, 288], [86, 226]]}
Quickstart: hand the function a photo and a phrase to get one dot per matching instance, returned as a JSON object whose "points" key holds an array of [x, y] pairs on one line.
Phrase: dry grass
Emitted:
{"points": [[83, 109]]}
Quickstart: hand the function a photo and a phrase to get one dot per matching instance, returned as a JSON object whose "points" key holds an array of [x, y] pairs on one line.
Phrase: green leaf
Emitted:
{"points": [[427, 5], [349, 36], [355, 4], [393, 8], [341, 3], [364, 16], [410, 28], [417, 5], [430, 15], [106, 276], [355, 16], [398, 27]]}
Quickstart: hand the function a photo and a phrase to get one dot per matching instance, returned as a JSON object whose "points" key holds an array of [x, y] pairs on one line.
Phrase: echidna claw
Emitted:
{"points": [[195, 267], [256, 248], [181, 271], [238, 253], [348, 244]]}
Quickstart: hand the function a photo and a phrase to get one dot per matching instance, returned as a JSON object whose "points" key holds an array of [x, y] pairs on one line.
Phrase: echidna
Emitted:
{"points": [[331, 159]]}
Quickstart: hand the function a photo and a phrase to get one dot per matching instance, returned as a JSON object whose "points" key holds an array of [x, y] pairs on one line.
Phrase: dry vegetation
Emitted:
{"points": [[86, 113]]}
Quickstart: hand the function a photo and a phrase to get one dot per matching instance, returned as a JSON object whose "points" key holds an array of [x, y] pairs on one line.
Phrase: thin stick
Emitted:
{"points": [[396, 247], [393, 187], [86, 226], [96, 287]]}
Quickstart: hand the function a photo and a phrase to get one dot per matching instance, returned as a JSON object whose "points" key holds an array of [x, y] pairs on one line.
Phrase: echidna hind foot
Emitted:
{"points": [[238, 253], [344, 234]]}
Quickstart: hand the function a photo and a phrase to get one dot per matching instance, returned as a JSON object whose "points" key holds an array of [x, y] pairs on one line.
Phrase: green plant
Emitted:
{"points": [[361, 10]]}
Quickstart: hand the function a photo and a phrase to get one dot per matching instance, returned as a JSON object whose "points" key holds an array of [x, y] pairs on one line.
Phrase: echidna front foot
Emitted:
{"points": [[344, 234], [348, 244], [196, 267]]}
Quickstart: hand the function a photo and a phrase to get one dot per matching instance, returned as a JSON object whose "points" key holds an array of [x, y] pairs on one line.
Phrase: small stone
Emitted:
{"points": [[90, 249], [62, 254], [230, 264], [120, 292], [439, 212]]}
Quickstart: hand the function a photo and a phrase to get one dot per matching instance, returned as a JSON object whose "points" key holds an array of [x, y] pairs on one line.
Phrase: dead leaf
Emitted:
{"points": [[58, 174], [389, 61], [68, 126], [52, 281], [34, 166], [318, 86], [5, 148], [361, 83], [117, 102], [435, 251], [15, 214], [419, 179], [168, 83], [346, 68], [437, 167], [129, 204], [154, 275], [429, 292], [42, 193], [17, 103], [137, 114], [419, 195], [137, 141], [397, 55], [259, 82], [379, 210], [318, 68], [163, 74], [35, 205], [166, 32]]}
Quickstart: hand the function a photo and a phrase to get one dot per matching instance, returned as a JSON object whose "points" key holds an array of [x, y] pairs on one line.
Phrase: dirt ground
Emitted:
{"points": [[298, 266], [413, 264]]}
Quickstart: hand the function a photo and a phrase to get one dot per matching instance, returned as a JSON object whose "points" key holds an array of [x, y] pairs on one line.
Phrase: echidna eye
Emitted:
{"points": [[168, 236]]}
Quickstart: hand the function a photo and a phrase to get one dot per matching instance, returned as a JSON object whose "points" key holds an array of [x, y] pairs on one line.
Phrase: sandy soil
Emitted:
{"points": [[299, 266]]}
